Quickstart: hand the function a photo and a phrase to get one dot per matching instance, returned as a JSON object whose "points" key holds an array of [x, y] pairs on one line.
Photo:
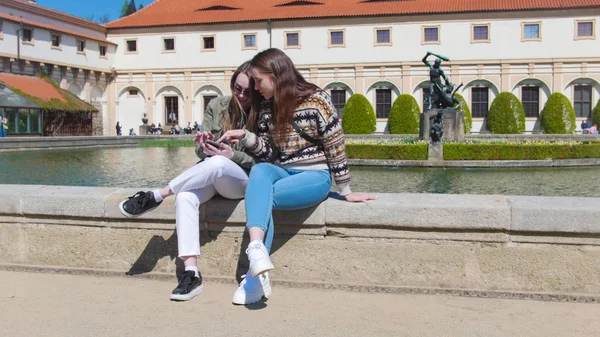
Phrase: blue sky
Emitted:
{"points": [[84, 8]]}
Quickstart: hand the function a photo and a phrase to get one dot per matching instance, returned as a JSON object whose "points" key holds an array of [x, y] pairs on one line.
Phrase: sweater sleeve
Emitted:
{"points": [[332, 135], [261, 144]]}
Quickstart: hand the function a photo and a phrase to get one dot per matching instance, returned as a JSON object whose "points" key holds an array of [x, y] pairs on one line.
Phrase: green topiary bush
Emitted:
{"points": [[558, 115], [596, 114], [467, 118], [359, 116], [404, 115], [506, 115], [395, 152], [458, 151]]}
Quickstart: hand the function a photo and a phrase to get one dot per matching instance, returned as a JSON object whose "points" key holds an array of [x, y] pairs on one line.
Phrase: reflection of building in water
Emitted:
{"points": [[178, 62]]}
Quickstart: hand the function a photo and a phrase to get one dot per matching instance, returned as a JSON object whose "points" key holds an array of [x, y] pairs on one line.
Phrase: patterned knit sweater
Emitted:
{"points": [[317, 117]]}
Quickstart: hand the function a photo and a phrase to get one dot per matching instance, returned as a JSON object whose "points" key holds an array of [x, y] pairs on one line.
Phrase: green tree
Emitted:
{"points": [[404, 115], [558, 115], [128, 8], [467, 118], [596, 114], [132, 7], [359, 116], [125, 8], [141, 6], [506, 115]]}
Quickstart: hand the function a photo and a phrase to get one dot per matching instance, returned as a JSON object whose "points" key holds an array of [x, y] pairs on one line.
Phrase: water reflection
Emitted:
{"points": [[154, 167]]}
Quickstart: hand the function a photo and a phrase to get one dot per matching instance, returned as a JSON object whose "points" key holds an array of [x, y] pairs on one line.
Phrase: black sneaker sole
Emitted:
{"points": [[129, 215], [186, 297]]}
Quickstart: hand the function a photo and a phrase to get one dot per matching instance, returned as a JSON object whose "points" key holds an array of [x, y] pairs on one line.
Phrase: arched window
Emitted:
{"points": [[339, 92]]}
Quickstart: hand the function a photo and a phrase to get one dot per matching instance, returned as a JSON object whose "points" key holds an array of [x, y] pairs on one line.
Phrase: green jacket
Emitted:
{"points": [[213, 122]]}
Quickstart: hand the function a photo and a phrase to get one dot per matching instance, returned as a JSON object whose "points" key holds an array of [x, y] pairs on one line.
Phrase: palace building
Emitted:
{"points": [[175, 56]]}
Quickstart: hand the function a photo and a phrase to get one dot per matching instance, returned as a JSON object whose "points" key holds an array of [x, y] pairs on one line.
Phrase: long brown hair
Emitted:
{"points": [[290, 87], [236, 117]]}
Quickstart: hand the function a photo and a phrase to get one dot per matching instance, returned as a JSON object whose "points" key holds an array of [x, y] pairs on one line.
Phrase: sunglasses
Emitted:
{"points": [[238, 90]]}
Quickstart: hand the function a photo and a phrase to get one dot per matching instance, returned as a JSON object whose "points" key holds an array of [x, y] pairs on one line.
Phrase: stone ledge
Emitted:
{"points": [[555, 214], [420, 212]]}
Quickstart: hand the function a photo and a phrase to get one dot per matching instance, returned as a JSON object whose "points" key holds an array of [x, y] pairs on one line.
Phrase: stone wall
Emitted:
{"points": [[481, 243]]}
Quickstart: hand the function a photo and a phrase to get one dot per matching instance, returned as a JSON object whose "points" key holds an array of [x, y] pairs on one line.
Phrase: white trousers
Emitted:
{"points": [[197, 185]]}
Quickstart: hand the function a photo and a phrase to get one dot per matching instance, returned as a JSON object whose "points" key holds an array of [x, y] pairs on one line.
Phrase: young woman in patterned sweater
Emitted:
{"points": [[301, 144]]}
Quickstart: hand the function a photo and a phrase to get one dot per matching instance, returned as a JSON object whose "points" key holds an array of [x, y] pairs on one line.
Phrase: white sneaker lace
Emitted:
{"points": [[251, 249]]}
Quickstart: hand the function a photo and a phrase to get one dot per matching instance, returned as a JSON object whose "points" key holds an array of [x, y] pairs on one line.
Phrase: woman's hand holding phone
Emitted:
{"points": [[233, 136], [200, 139], [214, 148]]}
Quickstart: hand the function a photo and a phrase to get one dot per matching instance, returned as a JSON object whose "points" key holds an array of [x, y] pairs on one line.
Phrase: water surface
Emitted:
{"points": [[154, 167]]}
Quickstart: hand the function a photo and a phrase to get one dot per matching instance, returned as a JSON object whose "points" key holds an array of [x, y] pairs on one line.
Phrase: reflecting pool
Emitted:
{"points": [[154, 167]]}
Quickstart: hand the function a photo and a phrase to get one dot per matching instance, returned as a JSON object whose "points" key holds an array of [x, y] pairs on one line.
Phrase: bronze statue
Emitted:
{"points": [[441, 94], [437, 127]]}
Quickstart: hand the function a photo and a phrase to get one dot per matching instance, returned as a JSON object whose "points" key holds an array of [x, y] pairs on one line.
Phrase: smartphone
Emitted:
{"points": [[215, 144]]}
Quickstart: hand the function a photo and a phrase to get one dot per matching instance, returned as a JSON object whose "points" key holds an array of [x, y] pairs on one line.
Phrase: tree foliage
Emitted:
{"points": [[128, 8], [558, 115], [404, 115], [359, 116], [506, 115]]}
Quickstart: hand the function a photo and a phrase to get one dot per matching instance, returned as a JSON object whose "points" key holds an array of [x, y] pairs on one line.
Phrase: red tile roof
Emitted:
{"points": [[52, 13], [45, 94], [188, 12], [52, 28], [32, 86]]}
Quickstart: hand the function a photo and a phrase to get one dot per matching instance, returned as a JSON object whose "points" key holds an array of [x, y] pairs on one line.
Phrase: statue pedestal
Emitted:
{"points": [[436, 152], [454, 130], [144, 129]]}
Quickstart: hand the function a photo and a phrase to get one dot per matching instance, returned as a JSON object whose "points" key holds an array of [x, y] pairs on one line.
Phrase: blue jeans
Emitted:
{"points": [[272, 187]]}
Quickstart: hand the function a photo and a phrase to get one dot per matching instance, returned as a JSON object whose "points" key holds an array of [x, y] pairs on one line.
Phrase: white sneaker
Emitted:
{"points": [[252, 289], [259, 258]]}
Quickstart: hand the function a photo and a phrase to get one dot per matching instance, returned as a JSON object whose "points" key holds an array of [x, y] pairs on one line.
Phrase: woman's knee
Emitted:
{"points": [[187, 199], [219, 162], [261, 169]]}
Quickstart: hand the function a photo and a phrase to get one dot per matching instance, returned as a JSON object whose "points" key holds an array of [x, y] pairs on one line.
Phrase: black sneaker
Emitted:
{"points": [[189, 287], [140, 203]]}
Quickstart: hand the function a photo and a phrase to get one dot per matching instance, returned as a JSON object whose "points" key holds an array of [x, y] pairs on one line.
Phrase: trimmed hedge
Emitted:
{"points": [[398, 152], [404, 115], [167, 143], [467, 118], [558, 115], [519, 152], [359, 116], [506, 115], [596, 114]]}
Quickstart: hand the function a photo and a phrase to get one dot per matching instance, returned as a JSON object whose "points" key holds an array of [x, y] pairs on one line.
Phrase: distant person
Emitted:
{"points": [[172, 118], [4, 127], [196, 127], [594, 129], [131, 132], [188, 129], [118, 127], [585, 127]]}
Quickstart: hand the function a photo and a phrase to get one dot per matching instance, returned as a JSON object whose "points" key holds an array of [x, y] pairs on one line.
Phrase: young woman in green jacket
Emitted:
{"points": [[223, 169]]}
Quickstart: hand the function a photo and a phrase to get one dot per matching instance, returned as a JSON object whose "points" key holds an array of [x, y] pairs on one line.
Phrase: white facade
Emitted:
{"points": [[556, 61], [153, 79]]}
